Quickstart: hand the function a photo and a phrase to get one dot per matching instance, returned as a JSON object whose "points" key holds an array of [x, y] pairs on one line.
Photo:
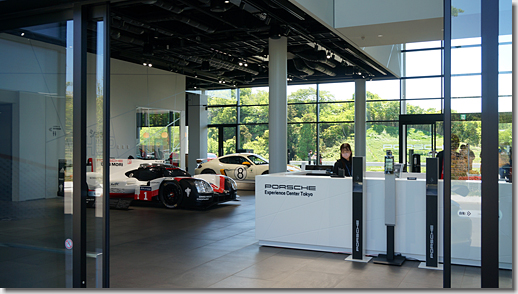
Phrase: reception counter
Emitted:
{"points": [[314, 212]]}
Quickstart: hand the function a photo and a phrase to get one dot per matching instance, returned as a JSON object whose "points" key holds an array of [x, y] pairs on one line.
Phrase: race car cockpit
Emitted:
{"points": [[148, 172]]}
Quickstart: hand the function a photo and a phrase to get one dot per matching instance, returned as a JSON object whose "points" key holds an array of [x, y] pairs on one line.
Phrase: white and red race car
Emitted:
{"points": [[153, 180]]}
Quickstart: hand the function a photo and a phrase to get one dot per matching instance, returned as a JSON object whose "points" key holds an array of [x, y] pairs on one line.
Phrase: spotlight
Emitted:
{"points": [[23, 34], [220, 82], [144, 64], [218, 6], [328, 56], [150, 65], [245, 64], [240, 63], [227, 1]]}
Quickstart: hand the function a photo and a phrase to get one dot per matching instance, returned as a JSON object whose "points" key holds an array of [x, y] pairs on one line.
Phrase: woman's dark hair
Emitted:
{"points": [[346, 147]]}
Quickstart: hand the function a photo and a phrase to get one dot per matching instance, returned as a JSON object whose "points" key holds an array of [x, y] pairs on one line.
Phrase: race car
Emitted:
{"points": [[160, 182], [239, 166]]}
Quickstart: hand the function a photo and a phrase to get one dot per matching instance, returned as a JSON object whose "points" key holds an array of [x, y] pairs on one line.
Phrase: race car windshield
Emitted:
{"points": [[179, 173], [144, 174], [257, 159]]}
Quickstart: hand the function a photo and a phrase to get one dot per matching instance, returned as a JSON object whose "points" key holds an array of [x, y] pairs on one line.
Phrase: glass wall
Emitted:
{"points": [[467, 142], [382, 115], [36, 156], [158, 132]]}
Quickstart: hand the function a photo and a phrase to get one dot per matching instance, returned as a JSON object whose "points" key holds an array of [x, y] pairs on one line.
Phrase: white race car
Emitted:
{"points": [[239, 166], [152, 180]]}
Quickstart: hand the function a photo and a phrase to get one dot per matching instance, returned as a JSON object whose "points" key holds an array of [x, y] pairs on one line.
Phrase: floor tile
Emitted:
{"points": [[157, 248], [273, 268], [309, 279], [242, 282], [369, 283]]}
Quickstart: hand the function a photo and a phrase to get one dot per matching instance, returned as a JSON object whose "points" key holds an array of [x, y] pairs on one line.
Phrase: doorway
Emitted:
{"points": [[222, 140], [6, 152], [419, 138]]}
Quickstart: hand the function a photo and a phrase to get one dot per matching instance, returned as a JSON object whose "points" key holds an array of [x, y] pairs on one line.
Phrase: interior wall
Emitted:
{"points": [[322, 9], [351, 13], [34, 82], [388, 55], [133, 86]]}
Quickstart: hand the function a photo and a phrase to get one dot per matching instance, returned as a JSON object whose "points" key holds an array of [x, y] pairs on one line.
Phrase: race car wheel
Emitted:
{"points": [[171, 194], [208, 171], [90, 203]]}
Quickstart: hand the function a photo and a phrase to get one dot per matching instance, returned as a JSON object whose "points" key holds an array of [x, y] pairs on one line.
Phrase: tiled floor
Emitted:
{"points": [[160, 248], [155, 247]]}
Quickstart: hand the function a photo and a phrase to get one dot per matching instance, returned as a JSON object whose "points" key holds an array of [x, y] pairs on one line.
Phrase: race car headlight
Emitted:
{"points": [[233, 183], [203, 187]]}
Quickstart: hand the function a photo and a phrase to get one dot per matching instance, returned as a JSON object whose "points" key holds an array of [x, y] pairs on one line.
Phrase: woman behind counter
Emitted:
{"points": [[345, 162]]}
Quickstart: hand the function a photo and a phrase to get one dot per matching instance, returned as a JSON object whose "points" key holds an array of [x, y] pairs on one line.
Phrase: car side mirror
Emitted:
{"points": [[246, 163]]}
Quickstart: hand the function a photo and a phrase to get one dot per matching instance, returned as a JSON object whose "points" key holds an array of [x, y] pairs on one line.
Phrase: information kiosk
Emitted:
{"points": [[432, 224], [390, 213], [358, 213]]}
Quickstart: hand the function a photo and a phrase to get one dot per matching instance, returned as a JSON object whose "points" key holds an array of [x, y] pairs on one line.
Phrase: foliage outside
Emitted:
{"points": [[336, 126]]}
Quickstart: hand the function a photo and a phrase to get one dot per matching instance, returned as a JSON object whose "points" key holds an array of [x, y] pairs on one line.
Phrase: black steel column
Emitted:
{"points": [[221, 134], [489, 163], [318, 125], [106, 148], [79, 153], [447, 147]]}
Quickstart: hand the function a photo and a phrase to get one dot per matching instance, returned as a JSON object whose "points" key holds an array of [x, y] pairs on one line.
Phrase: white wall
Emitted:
{"points": [[388, 55], [351, 13], [135, 86], [322, 9], [33, 80]]}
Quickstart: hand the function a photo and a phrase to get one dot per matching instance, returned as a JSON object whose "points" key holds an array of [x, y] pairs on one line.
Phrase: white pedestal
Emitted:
{"points": [[365, 259], [438, 268]]}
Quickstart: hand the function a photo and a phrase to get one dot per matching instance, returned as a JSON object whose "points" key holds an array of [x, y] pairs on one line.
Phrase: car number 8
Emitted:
{"points": [[240, 173]]}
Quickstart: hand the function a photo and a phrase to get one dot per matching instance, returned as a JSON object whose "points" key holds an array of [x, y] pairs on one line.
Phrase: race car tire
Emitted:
{"points": [[171, 194], [90, 203], [208, 171], [265, 172]]}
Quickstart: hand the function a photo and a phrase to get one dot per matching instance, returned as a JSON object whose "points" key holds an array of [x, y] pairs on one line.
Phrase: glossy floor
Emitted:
{"points": [[154, 247]]}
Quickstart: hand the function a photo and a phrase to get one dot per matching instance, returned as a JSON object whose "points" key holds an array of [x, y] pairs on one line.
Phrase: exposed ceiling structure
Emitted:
{"points": [[224, 43]]}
